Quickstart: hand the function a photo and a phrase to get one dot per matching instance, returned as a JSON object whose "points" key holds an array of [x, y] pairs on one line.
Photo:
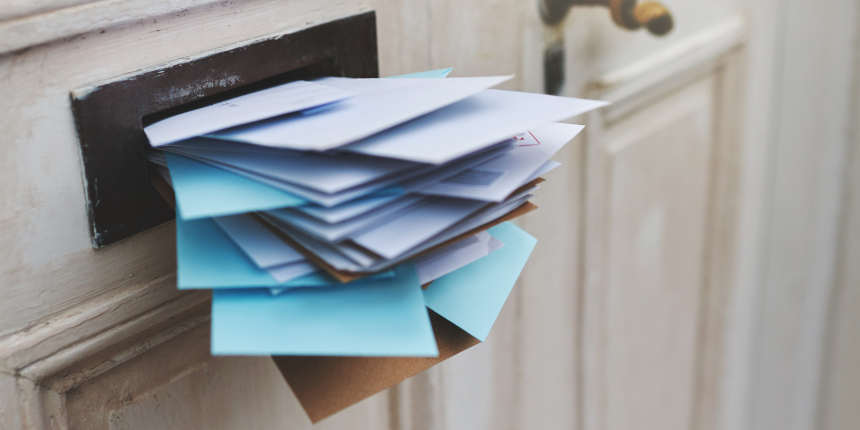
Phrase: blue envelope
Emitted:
{"points": [[206, 258], [205, 191], [472, 296], [381, 317]]}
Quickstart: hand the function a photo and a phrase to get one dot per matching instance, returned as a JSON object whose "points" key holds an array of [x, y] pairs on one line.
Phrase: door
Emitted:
{"points": [[621, 319]]}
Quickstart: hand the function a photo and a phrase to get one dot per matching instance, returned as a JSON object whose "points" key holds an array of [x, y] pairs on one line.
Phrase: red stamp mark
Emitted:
{"points": [[527, 139]]}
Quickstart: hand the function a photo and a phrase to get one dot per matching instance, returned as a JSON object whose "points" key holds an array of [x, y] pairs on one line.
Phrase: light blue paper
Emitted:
{"points": [[438, 73], [206, 258], [206, 191], [363, 318], [324, 173], [472, 297], [385, 187]]}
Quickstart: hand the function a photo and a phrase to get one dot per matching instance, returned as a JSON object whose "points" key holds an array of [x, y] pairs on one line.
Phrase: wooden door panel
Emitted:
{"points": [[656, 208], [661, 210], [178, 385], [145, 375], [221, 393]]}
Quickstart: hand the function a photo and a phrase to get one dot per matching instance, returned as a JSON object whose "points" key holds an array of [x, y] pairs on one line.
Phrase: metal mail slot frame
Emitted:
{"points": [[110, 115]]}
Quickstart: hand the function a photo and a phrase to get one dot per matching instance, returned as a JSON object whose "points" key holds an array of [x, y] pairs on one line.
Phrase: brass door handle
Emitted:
{"points": [[628, 14]]}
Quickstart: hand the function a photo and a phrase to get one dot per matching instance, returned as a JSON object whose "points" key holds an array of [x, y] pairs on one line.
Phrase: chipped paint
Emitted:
{"points": [[197, 88]]}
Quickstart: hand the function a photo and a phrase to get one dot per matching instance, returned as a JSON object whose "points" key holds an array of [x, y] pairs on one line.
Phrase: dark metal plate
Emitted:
{"points": [[109, 116]]}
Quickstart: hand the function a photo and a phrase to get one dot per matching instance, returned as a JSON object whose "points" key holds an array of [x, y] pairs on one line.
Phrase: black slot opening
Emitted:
{"points": [[322, 68]]}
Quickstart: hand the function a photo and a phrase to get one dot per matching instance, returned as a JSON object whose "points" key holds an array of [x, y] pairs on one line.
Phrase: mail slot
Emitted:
{"points": [[110, 115], [124, 197]]}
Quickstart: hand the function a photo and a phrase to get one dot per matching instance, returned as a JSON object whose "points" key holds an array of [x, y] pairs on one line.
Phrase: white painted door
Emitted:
{"points": [[624, 317]]}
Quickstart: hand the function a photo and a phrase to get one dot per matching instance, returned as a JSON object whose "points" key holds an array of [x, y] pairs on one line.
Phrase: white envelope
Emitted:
{"points": [[327, 252], [437, 173], [411, 178], [267, 103], [342, 255], [449, 258], [415, 225], [544, 169], [262, 246], [320, 198], [497, 178], [290, 271], [343, 229], [323, 172], [379, 104], [469, 125], [475, 220], [345, 211]]}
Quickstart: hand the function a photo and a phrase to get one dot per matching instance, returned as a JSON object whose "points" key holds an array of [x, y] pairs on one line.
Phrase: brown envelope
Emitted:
{"points": [[325, 385]]}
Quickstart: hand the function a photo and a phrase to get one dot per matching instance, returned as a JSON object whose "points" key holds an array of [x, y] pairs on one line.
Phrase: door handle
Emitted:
{"points": [[628, 14]]}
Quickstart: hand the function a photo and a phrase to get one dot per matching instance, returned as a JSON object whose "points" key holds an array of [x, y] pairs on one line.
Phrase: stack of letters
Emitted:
{"points": [[328, 216]]}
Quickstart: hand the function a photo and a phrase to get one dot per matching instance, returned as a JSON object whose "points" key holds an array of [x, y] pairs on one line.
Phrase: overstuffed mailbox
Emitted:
{"points": [[358, 230], [362, 235]]}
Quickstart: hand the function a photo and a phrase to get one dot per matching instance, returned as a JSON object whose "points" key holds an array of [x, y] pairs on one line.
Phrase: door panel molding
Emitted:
{"points": [[63, 353], [23, 24], [714, 58], [638, 84]]}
